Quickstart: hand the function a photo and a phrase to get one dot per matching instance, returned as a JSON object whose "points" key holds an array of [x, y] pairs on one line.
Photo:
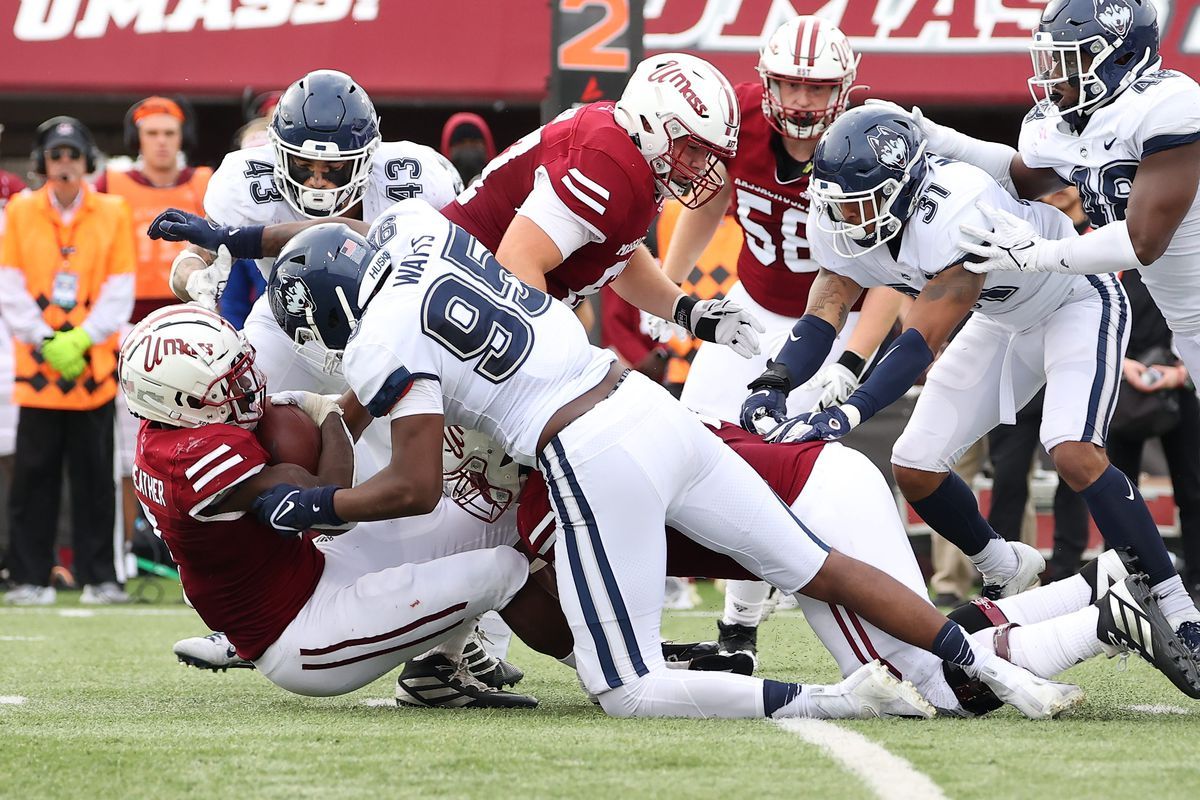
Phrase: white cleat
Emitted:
{"points": [[210, 652], [1036, 698], [869, 692], [1030, 565]]}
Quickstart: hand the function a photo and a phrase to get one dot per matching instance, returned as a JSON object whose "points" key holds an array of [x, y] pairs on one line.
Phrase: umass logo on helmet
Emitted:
{"points": [[1115, 15], [890, 148]]}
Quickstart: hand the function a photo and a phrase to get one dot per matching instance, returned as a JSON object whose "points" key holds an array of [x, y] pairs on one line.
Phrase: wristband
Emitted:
{"points": [[853, 362], [245, 242], [777, 376], [683, 311]]}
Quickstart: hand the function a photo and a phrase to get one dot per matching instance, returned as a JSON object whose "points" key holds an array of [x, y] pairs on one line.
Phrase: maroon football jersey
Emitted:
{"points": [[774, 264], [785, 467], [242, 577], [595, 169]]}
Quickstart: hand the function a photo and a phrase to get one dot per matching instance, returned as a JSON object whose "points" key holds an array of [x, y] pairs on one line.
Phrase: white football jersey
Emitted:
{"points": [[1159, 111], [928, 244], [507, 356], [242, 191]]}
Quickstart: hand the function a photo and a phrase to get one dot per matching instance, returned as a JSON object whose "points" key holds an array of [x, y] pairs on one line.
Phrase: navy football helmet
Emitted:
{"points": [[313, 291], [867, 170], [1099, 46], [323, 117]]}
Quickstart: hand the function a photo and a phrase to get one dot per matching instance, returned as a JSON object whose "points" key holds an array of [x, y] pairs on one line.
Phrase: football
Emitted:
{"points": [[289, 436]]}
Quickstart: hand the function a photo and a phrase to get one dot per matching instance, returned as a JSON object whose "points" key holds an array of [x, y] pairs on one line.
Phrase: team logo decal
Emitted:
{"points": [[1114, 15], [890, 147], [292, 300]]}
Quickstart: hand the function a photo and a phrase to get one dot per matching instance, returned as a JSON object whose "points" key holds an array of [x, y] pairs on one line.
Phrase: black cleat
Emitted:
{"points": [[706, 657], [434, 681], [494, 672], [739, 640], [1130, 619]]}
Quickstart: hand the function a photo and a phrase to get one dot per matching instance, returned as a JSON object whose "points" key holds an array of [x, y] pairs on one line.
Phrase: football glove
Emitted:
{"points": [[835, 382], [289, 510], [828, 425], [720, 321], [1012, 244], [64, 352], [764, 410], [315, 406], [204, 286], [174, 225]]}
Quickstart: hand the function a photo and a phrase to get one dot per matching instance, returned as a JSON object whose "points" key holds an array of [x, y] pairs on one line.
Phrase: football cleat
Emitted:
{"points": [[740, 641], [210, 652], [486, 668], [1189, 632], [1112, 567], [869, 692], [1029, 566], [434, 681], [1036, 698], [103, 594], [27, 594], [1130, 619], [705, 657]]}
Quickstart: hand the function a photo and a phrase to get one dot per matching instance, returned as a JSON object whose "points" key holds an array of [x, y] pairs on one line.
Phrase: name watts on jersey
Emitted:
{"points": [[47, 20], [149, 487]]}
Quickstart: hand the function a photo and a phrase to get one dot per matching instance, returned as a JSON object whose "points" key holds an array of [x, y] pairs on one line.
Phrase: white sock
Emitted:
{"points": [[452, 646], [1174, 601], [496, 634], [1047, 602], [683, 693], [744, 602], [1050, 647], [996, 560]]}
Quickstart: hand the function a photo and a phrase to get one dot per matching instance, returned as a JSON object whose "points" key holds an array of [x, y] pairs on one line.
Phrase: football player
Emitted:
{"points": [[567, 206], [1114, 122], [844, 500], [888, 215], [444, 334], [316, 618], [806, 74]]}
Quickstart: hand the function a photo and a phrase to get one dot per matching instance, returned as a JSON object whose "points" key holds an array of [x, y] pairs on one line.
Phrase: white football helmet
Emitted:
{"points": [[186, 366], [673, 97], [812, 51], [477, 474]]}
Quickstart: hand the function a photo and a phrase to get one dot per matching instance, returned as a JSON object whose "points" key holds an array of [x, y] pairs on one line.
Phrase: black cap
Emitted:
{"points": [[67, 133]]}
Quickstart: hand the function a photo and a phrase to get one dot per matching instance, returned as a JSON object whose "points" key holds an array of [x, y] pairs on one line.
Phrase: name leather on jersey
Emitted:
{"points": [[627, 249], [149, 487], [787, 201]]}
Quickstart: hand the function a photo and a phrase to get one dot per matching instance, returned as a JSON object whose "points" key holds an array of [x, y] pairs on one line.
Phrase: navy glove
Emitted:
{"points": [[764, 410], [831, 424], [289, 510], [174, 225]]}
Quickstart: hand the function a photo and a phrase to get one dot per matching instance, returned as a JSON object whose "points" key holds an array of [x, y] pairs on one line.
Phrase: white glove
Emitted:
{"points": [[659, 329], [835, 382], [725, 322], [316, 406], [1012, 244], [205, 286]]}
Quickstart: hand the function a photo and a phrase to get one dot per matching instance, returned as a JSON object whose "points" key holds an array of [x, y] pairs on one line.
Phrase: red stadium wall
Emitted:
{"points": [[928, 51]]}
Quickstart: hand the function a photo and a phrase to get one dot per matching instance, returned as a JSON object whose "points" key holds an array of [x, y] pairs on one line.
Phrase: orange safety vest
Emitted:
{"points": [[65, 267], [154, 257], [713, 276]]}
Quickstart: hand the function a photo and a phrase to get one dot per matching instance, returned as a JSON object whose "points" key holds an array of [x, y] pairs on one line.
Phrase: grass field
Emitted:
{"points": [[93, 705]]}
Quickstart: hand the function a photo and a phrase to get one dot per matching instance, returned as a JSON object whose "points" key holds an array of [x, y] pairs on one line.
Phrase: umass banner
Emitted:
{"points": [[924, 51]]}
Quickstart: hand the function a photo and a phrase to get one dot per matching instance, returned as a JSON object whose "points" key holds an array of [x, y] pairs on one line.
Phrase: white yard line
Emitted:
{"points": [[111, 611], [22, 638], [1156, 709], [379, 702], [887, 776], [11, 700]]}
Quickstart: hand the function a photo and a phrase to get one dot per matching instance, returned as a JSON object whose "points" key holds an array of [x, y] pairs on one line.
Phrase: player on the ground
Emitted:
{"points": [[567, 206], [443, 333], [888, 216], [806, 75], [316, 618], [844, 500], [1111, 120]]}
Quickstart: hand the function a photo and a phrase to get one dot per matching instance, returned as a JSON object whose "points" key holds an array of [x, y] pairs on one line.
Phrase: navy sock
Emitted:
{"points": [[953, 511], [951, 645], [776, 695], [1124, 521]]}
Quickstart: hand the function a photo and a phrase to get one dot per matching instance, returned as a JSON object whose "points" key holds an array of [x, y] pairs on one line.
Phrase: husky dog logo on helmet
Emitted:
{"points": [[1114, 15], [294, 297], [890, 148]]}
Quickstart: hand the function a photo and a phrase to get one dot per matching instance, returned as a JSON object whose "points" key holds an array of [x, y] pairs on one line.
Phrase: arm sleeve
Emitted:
{"points": [[806, 348], [898, 370], [547, 210]]}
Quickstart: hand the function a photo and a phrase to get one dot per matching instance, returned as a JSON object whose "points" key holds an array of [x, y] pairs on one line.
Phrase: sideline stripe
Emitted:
{"points": [[887, 776], [11, 700], [1157, 709]]}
